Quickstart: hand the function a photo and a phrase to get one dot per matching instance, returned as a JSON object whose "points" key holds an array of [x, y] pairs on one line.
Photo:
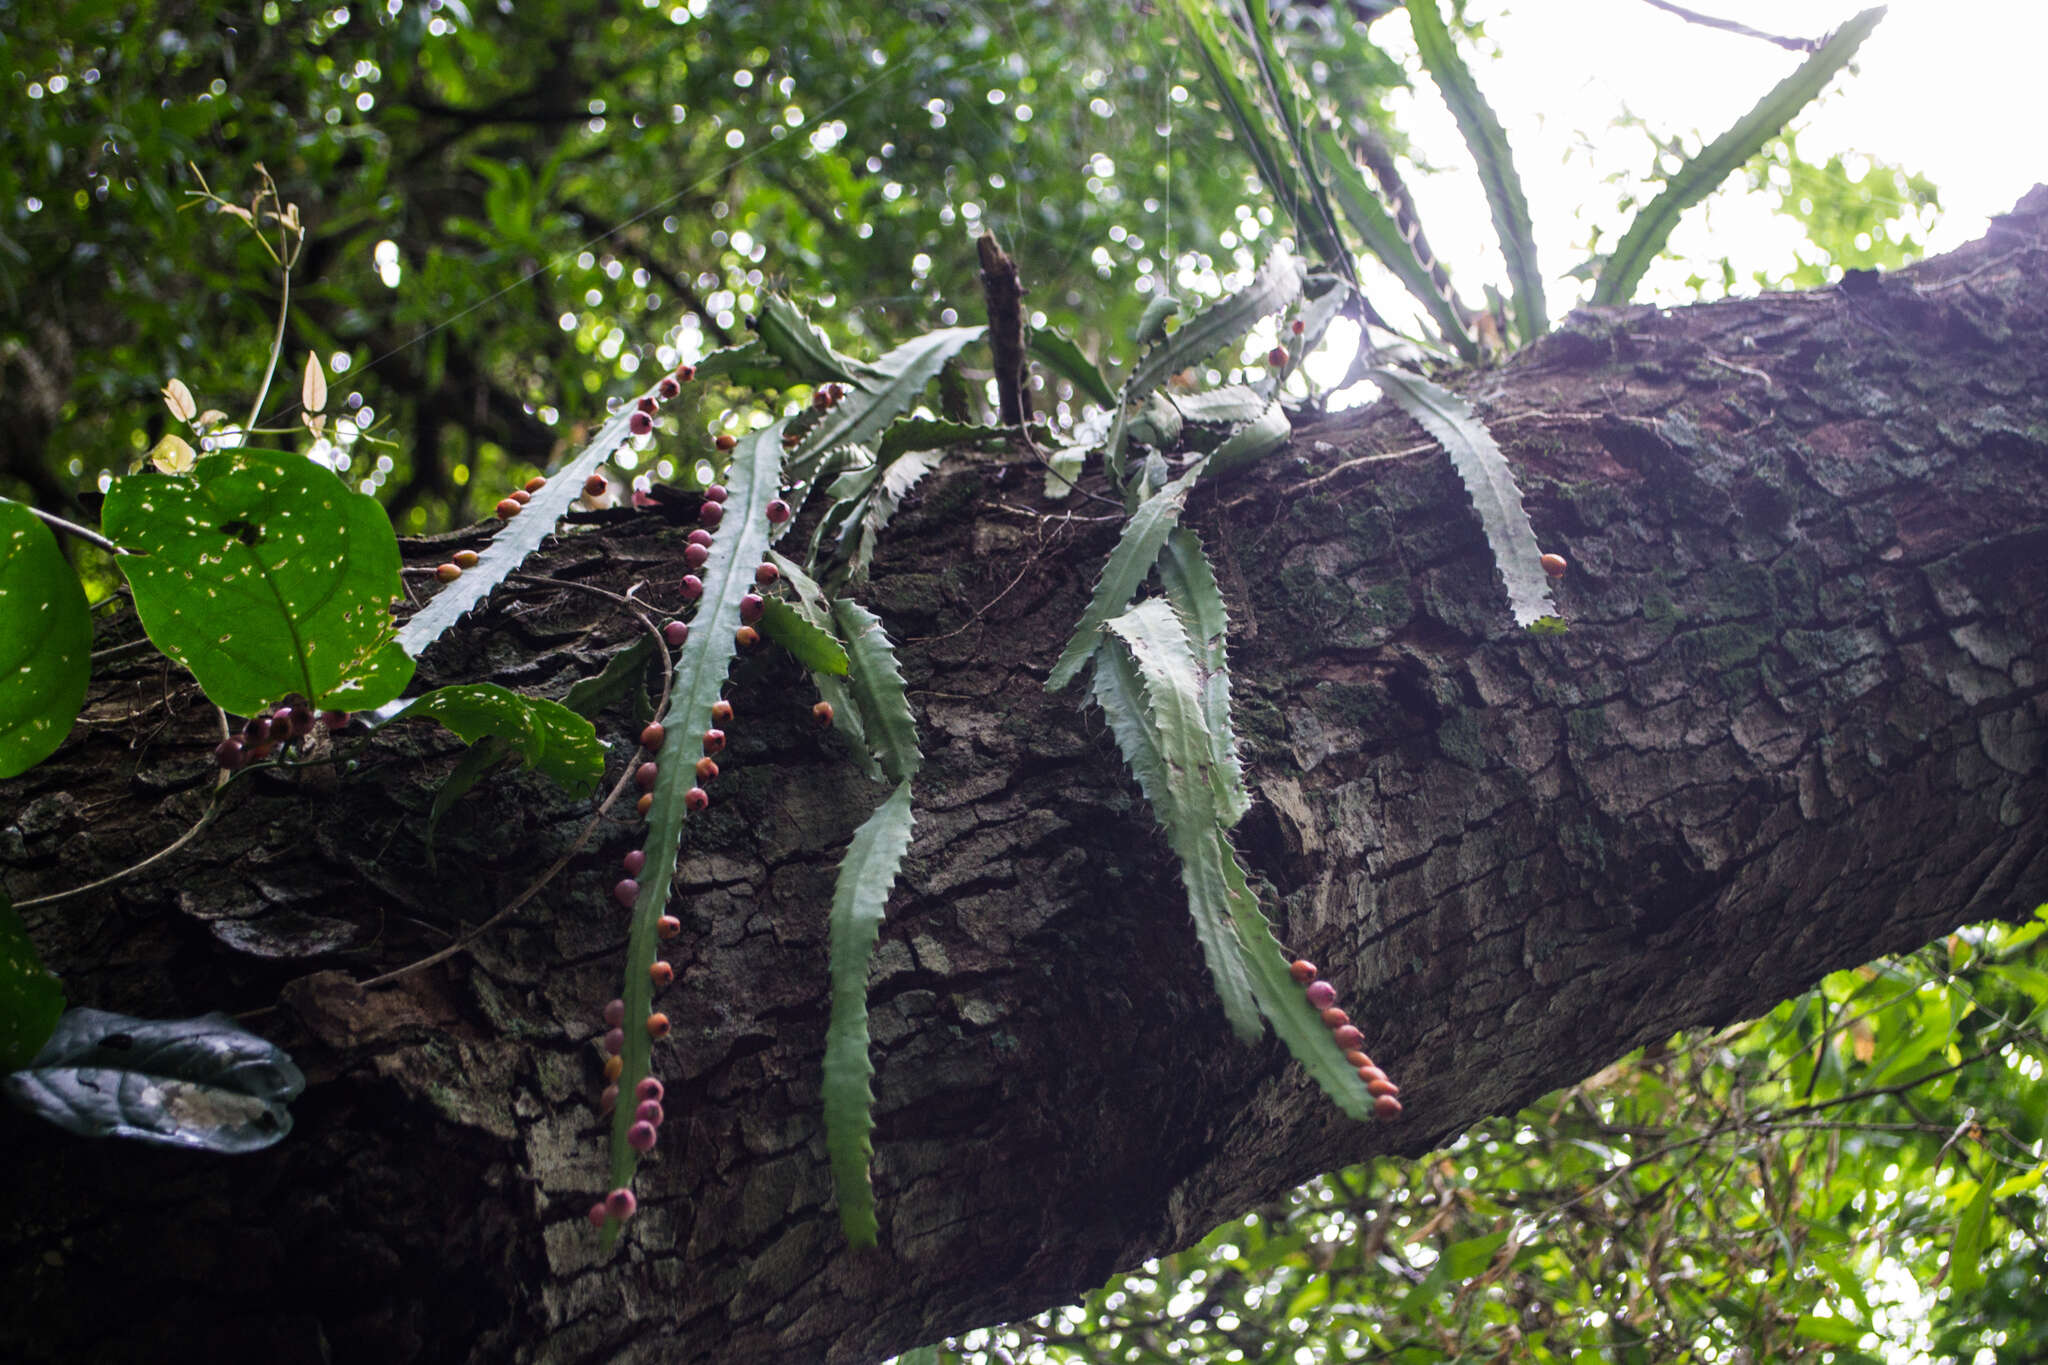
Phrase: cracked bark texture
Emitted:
{"points": [[1797, 721]]}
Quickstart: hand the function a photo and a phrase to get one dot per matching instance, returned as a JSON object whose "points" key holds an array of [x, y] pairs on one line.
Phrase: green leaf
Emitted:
{"points": [[1158, 644], [1273, 289], [1228, 405], [1136, 551], [1059, 354], [1063, 470], [1723, 156], [876, 687], [812, 605], [1489, 144], [801, 347], [521, 536], [750, 365], [887, 389], [1191, 588], [45, 641], [205, 1084], [877, 503], [1491, 484], [1359, 201], [547, 735], [858, 898], [934, 434], [753, 480], [1966, 1250], [1840, 1331], [266, 576], [1257, 438], [809, 645], [625, 670], [1160, 309], [30, 998], [1462, 1260]]}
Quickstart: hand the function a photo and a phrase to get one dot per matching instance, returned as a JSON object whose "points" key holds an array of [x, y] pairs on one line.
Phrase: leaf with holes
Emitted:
{"points": [[858, 899], [1476, 457], [1136, 551], [45, 641], [31, 1000], [545, 734], [206, 1084], [267, 577]]}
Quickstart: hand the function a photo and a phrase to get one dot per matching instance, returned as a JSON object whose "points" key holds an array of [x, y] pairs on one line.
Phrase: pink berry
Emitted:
{"points": [[228, 753], [714, 739], [715, 493], [614, 1042], [640, 424], [614, 1013], [648, 1112], [598, 1214], [669, 388], [675, 632], [335, 721], [1321, 994], [644, 776], [692, 587], [627, 891], [695, 555], [1348, 1037], [621, 1204], [634, 860], [750, 608], [766, 574], [648, 1089], [697, 799], [700, 536], [668, 926], [711, 513], [645, 405], [1386, 1107], [608, 1097], [778, 512], [640, 1137]]}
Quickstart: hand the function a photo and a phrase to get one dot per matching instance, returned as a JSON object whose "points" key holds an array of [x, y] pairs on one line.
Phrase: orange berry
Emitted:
{"points": [[714, 741], [724, 441], [507, 510], [821, 714], [657, 1026], [668, 926], [707, 771], [721, 713], [613, 1066], [1302, 970], [651, 737], [661, 973], [447, 573], [521, 496], [746, 637], [1386, 1107], [595, 486], [1335, 1018], [646, 803], [536, 483], [1554, 565], [465, 558], [1357, 1058]]}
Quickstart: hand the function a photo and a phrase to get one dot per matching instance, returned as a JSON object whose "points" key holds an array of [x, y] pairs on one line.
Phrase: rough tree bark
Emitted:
{"points": [[1797, 722]]}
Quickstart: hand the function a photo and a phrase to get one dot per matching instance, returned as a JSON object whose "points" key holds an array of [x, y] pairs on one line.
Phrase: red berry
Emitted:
{"points": [[228, 753], [648, 1089], [675, 632], [598, 1214], [700, 536], [614, 1013], [724, 441], [1302, 970], [721, 712], [465, 559], [635, 859], [626, 892], [821, 400], [1298, 327], [707, 770], [657, 1026], [711, 513], [641, 1137], [715, 493], [651, 737], [1335, 1018], [255, 731], [692, 587], [750, 608], [648, 1111], [536, 483], [639, 424], [621, 1204], [645, 405], [615, 1042], [778, 512], [746, 637], [714, 740], [595, 486], [447, 573], [766, 574], [669, 388], [645, 775], [507, 510], [1347, 1036], [1277, 357], [335, 721], [1386, 1107], [1321, 994], [661, 974], [821, 714], [695, 555], [696, 798], [668, 926]]}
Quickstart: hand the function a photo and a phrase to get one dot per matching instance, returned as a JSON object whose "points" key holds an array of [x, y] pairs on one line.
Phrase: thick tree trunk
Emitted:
{"points": [[1797, 721]]}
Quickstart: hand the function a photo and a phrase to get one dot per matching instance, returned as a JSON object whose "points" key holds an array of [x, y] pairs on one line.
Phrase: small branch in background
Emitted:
{"points": [[1694, 17], [1004, 294]]}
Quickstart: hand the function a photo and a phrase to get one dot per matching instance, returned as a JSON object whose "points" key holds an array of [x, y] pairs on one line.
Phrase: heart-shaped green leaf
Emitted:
{"points": [[263, 574], [45, 641]]}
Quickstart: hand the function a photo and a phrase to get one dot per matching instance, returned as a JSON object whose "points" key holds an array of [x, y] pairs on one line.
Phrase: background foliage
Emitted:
{"points": [[512, 212]]}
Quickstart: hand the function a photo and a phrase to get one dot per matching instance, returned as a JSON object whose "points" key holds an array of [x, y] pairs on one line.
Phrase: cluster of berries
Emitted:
{"points": [[647, 1117], [1322, 997], [1279, 356], [284, 726], [823, 400]]}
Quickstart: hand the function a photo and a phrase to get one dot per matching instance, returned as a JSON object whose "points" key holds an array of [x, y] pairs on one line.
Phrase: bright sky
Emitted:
{"points": [[1948, 88]]}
